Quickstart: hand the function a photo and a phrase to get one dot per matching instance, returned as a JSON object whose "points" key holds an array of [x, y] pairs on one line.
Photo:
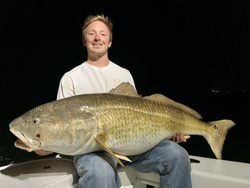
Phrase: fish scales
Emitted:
{"points": [[137, 123]]}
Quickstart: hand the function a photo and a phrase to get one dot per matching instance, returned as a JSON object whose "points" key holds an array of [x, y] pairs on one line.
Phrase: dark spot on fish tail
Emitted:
{"points": [[216, 127], [38, 135]]}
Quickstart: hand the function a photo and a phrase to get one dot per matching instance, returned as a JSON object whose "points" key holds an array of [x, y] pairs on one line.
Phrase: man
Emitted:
{"points": [[99, 75]]}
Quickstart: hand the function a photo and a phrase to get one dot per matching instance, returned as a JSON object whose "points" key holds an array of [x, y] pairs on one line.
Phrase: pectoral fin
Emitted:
{"points": [[122, 157], [102, 139]]}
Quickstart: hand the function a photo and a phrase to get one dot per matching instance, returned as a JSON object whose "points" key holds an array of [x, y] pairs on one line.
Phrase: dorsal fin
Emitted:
{"points": [[125, 89], [129, 90], [164, 99]]}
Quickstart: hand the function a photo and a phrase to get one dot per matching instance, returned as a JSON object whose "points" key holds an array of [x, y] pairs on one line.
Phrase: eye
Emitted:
{"points": [[36, 121], [38, 135]]}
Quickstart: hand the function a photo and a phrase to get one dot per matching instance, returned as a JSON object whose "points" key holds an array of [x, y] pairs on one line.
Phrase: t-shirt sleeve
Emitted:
{"points": [[130, 79], [66, 88]]}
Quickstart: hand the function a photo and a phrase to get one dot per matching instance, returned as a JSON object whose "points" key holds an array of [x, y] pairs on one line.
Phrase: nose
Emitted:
{"points": [[97, 37]]}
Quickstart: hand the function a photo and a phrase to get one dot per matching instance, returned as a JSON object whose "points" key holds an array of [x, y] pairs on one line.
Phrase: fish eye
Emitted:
{"points": [[36, 121]]}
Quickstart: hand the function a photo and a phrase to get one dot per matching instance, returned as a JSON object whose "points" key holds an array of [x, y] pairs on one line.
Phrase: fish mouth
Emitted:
{"points": [[25, 143]]}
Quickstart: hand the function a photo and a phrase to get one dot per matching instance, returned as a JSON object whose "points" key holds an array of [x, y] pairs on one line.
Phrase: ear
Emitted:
{"points": [[83, 41], [110, 44]]}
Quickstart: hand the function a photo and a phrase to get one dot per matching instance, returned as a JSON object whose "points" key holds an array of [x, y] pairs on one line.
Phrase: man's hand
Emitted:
{"points": [[178, 137], [43, 152]]}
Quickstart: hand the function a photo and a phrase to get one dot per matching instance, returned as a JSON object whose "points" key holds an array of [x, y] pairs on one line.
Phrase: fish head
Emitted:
{"points": [[39, 128]]}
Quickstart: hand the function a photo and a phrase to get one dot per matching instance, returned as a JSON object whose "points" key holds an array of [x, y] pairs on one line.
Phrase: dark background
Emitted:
{"points": [[182, 49]]}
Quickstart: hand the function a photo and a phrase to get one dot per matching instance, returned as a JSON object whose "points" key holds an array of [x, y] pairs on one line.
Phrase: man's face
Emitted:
{"points": [[96, 38]]}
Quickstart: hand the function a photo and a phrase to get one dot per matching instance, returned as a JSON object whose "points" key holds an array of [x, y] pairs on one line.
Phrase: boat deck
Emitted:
{"points": [[54, 172]]}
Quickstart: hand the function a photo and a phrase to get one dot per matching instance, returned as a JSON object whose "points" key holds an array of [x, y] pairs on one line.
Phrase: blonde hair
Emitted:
{"points": [[101, 18]]}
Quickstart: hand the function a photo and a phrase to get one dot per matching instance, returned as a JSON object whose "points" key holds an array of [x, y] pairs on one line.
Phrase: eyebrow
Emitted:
{"points": [[98, 31]]}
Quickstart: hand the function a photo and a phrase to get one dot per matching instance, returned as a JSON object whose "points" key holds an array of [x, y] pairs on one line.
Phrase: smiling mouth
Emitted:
{"points": [[97, 45]]}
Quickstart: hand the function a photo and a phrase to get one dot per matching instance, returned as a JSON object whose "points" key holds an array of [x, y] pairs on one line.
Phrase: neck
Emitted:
{"points": [[102, 61]]}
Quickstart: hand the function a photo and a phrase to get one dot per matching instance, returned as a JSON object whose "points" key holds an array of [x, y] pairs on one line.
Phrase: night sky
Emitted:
{"points": [[177, 48]]}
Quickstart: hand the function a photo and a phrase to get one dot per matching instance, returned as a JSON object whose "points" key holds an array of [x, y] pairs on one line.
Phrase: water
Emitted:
{"points": [[234, 106]]}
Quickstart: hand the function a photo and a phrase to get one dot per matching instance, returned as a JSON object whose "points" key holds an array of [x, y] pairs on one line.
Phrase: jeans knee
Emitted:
{"points": [[93, 165], [181, 158], [174, 156], [183, 153], [96, 172], [179, 153]]}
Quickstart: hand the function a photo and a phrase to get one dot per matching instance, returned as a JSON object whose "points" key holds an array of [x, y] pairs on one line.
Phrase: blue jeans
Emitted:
{"points": [[167, 159]]}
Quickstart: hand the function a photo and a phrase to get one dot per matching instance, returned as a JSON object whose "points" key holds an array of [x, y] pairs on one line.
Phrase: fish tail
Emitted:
{"points": [[219, 132]]}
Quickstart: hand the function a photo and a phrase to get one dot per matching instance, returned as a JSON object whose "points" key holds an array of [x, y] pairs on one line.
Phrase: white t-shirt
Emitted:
{"points": [[87, 79]]}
